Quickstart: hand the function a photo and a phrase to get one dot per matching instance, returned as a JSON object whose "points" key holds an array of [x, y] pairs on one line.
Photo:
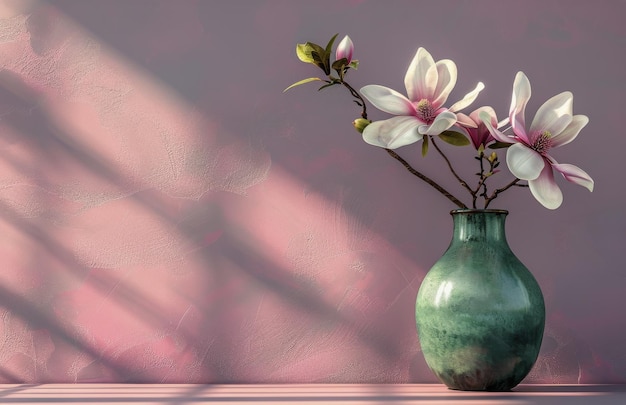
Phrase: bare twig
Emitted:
{"points": [[463, 183], [426, 179], [499, 190]]}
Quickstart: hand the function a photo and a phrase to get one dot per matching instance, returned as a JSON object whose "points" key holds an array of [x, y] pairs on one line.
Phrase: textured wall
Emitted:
{"points": [[168, 215]]}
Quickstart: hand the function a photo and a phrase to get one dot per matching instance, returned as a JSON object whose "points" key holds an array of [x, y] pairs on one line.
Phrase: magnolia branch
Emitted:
{"points": [[423, 111], [357, 95], [454, 173]]}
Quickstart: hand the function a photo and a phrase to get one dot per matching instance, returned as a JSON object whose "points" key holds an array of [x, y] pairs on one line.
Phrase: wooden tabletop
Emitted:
{"points": [[423, 394]]}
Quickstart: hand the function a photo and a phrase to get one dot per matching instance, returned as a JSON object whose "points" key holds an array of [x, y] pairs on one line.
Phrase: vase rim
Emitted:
{"points": [[478, 211]]}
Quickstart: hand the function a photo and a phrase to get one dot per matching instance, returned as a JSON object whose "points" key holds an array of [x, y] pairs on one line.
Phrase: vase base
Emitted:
{"points": [[466, 382], [482, 389]]}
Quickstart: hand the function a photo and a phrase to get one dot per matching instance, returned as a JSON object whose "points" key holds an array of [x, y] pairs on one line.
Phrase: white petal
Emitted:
{"points": [[523, 162], [554, 115], [421, 76], [393, 133], [503, 122], [521, 95], [468, 99], [545, 190], [442, 122], [446, 80], [575, 174], [388, 100], [571, 131]]}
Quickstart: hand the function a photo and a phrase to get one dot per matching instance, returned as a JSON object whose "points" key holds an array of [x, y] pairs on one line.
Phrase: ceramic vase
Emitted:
{"points": [[480, 312]]}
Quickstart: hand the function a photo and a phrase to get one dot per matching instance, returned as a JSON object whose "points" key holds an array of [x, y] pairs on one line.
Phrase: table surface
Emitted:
{"points": [[423, 394]]}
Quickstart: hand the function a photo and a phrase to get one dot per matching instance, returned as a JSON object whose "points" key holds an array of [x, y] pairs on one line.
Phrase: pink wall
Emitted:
{"points": [[168, 215]]}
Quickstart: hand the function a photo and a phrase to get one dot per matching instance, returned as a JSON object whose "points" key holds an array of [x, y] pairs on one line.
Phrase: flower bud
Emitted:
{"points": [[345, 49], [360, 124], [493, 157]]}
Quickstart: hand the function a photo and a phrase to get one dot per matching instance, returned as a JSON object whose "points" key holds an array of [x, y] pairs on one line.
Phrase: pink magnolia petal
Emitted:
{"points": [[468, 99], [520, 132], [393, 133], [388, 100], [498, 136], [545, 190], [575, 175], [482, 135], [467, 121], [475, 115], [345, 49], [521, 95], [421, 76], [571, 131], [446, 80], [523, 162], [443, 121], [554, 115]]}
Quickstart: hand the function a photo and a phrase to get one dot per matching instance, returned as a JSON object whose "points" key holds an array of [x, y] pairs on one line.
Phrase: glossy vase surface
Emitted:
{"points": [[480, 313]]}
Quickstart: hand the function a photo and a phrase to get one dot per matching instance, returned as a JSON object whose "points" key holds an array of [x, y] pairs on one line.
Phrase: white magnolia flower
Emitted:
{"points": [[428, 85], [528, 157]]}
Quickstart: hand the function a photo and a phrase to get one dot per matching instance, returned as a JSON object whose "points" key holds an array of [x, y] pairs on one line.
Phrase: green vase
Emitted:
{"points": [[480, 313]]}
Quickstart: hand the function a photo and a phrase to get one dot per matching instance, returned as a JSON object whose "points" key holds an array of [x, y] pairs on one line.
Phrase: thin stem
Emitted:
{"points": [[358, 96], [426, 179], [500, 190], [463, 183], [481, 182]]}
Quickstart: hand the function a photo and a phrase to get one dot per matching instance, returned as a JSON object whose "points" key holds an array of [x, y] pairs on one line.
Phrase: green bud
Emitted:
{"points": [[360, 124], [493, 157]]}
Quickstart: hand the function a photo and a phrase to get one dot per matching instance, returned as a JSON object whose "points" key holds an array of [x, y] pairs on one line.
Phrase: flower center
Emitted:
{"points": [[543, 142], [425, 111]]}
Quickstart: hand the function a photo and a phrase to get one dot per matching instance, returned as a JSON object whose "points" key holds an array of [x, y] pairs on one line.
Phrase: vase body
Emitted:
{"points": [[479, 312]]}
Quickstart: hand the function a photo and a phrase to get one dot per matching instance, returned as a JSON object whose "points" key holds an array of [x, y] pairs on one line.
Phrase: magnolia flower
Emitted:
{"points": [[528, 157], [345, 50], [475, 128], [428, 85]]}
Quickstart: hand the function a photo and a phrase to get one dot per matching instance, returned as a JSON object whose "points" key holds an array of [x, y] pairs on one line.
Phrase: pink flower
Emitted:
{"points": [[428, 85], [345, 49], [528, 157], [475, 128]]}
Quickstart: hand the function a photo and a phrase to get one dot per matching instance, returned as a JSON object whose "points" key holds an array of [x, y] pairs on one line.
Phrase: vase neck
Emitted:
{"points": [[479, 226]]}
